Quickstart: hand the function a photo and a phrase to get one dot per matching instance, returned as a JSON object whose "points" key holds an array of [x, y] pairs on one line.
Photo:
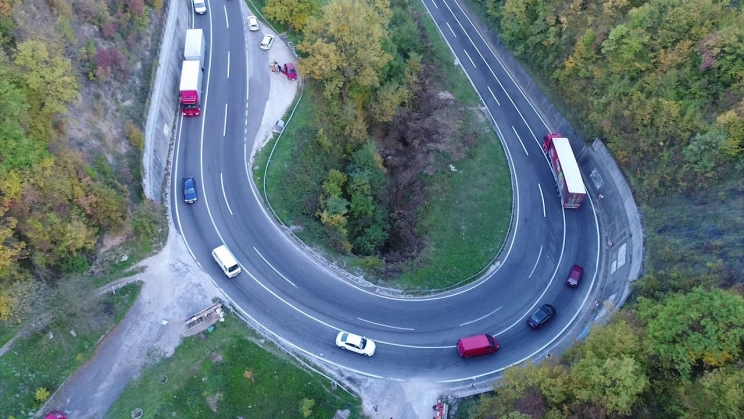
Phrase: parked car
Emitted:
{"points": [[289, 71], [575, 276], [55, 414], [267, 41], [252, 23], [189, 190], [355, 343], [541, 316], [477, 345]]}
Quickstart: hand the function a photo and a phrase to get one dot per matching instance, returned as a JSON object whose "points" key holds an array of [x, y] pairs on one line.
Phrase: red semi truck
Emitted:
{"points": [[565, 169], [191, 84], [194, 51]]}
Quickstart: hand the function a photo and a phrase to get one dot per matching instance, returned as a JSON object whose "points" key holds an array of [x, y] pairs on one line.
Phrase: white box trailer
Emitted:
{"points": [[195, 47]]}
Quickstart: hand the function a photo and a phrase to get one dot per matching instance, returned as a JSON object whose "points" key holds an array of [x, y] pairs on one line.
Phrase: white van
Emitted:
{"points": [[200, 6], [226, 260]]}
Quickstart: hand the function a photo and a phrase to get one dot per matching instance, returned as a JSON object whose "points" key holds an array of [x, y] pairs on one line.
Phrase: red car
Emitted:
{"points": [[575, 276], [289, 71], [55, 414]]}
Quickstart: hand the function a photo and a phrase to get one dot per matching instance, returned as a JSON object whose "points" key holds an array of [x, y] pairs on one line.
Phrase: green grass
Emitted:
{"points": [[465, 224], [467, 218], [8, 331], [40, 361], [239, 377]]}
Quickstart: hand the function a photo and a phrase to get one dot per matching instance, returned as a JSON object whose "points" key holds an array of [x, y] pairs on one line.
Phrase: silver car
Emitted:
{"points": [[267, 41], [253, 23]]}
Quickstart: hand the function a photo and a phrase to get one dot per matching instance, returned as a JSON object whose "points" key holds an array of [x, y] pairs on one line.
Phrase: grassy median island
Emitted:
{"points": [[447, 197], [231, 373]]}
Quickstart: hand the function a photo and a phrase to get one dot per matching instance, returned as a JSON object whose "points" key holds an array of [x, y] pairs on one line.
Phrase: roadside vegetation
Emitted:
{"points": [[660, 82], [52, 349], [232, 373], [400, 175]]}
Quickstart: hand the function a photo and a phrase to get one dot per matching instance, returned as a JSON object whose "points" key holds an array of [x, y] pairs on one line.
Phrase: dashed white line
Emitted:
{"points": [[227, 21], [228, 64], [520, 140], [536, 262], [542, 198], [480, 318], [471, 60], [493, 96], [272, 267], [384, 325], [224, 124], [451, 30], [225, 195]]}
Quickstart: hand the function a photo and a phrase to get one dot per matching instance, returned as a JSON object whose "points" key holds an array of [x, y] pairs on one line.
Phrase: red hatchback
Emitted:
{"points": [[575, 276], [290, 71]]}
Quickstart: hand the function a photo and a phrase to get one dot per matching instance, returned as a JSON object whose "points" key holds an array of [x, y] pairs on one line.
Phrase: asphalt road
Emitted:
{"points": [[304, 303]]}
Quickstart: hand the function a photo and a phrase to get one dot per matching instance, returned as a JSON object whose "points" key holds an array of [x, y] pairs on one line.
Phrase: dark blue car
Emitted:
{"points": [[541, 316], [189, 190]]}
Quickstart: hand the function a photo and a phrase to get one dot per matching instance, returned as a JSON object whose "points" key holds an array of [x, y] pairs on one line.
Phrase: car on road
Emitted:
{"points": [[541, 316], [477, 345], [267, 42], [189, 190], [253, 23], [575, 276], [355, 343], [290, 72], [200, 7]]}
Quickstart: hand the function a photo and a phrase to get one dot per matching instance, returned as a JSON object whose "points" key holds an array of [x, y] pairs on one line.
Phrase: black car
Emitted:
{"points": [[189, 190], [541, 316]]}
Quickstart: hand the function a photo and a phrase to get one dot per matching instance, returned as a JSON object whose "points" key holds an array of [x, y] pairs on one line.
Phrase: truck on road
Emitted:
{"points": [[565, 169], [195, 47], [191, 87], [194, 52]]}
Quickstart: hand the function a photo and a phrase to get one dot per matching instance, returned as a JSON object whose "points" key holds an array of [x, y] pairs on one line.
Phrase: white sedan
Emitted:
{"points": [[267, 41], [253, 23], [355, 343]]}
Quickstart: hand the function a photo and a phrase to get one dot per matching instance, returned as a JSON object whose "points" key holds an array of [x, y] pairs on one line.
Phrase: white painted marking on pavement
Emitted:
{"points": [[225, 195], [520, 140], [228, 64], [224, 124], [536, 262], [451, 30], [275, 270], [480, 318], [384, 325], [471, 60], [492, 95], [542, 198]]}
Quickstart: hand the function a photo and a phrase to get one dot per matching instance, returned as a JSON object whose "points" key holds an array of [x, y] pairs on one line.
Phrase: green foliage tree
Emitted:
{"points": [[344, 46], [334, 207], [49, 77], [614, 383], [699, 329], [719, 394], [295, 14]]}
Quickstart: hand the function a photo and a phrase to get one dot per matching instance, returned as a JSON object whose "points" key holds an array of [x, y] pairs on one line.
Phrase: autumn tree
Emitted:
{"points": [[294, 13], [48, 76], [344, 46], [700, 329]]}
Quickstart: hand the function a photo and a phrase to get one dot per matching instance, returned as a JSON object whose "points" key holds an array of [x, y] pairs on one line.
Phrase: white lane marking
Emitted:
{"points": [[503, 67], [222, 184], [272, 267], [542, 198], [471, 60], [435, 4], [384, 325], [489, 67], [520, 140], [480, 318], [227, 21], [228, 64], [451, 30], [224, 124], [536, 262], [494, 96]]}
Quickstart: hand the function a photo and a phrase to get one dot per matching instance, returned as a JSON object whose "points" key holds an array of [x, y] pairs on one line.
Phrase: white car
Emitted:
{"points": [[252, 23], [355, 343], [267, 41]]}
